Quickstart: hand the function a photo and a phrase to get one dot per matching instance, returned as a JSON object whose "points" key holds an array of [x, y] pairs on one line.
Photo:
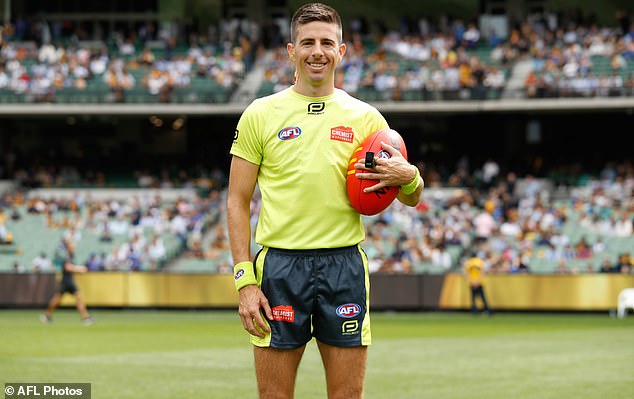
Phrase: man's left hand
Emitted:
{"points": [[395, 171]]}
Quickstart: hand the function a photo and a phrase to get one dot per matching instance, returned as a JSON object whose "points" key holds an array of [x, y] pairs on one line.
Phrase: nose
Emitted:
{"points": [[317, 49]]}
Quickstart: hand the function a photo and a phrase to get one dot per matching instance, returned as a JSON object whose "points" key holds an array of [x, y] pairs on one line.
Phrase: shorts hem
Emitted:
{"points": [[344, 344], [279, 346]]}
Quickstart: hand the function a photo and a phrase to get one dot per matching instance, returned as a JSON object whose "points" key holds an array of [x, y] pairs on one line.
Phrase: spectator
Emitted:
{"points": [[474, 270], [441, 257], [484, 225], [156, 252], [94, 262], [583, 249], [15, 215], [490, 172], [104, 235], [119, 80], [624, 263], [6, 236], [18, 268], [41, 263]]}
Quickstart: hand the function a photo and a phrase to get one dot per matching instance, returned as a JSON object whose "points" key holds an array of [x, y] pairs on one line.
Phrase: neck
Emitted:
{"points": [[313, 91]]}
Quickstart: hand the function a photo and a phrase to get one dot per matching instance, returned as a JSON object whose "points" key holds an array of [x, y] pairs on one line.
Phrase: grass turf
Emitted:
{"points": [[205, 354]]}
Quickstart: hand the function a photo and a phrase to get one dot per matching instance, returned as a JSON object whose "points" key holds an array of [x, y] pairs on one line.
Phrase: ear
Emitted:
{"points": [[342, 49], [290, 49]]}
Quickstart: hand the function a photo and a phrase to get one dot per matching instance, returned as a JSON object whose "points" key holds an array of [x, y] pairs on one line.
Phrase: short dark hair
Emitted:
{"points": [[312, 12]]}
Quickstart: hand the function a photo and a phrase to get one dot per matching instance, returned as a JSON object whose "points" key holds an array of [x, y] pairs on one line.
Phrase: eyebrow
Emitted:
{"points": [[311, 39]]}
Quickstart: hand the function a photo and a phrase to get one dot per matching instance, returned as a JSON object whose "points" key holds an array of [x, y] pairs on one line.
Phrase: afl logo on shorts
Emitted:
{"points": [[348, 310], [289, 133]]}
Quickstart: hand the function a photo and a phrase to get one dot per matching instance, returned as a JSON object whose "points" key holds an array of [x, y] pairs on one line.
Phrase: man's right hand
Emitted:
{"points": [[252, 299]]}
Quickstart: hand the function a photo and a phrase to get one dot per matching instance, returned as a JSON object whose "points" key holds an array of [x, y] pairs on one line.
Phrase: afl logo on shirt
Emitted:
{"points": [[289, 133], [316, 108], [348, 310]]}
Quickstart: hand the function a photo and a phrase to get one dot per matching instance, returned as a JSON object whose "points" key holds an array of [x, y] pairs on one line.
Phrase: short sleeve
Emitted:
{"points": [[247, 139]]}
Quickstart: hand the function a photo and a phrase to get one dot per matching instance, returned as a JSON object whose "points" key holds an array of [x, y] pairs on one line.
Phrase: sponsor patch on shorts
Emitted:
{"points": [[350, 327], [283, 313]]}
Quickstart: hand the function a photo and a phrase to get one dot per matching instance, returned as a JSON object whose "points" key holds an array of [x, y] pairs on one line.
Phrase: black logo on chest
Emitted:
{"points": [[316, 108]]}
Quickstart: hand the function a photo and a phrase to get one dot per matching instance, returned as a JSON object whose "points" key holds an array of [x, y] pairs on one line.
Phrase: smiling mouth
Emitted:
{"points": [[316, 64]]}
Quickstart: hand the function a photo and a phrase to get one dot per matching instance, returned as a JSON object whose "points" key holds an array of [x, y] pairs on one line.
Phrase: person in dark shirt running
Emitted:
{"points": [[64, 258]]}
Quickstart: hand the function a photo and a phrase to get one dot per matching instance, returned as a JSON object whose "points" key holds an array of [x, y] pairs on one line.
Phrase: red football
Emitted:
{"points": [[376, 201]]}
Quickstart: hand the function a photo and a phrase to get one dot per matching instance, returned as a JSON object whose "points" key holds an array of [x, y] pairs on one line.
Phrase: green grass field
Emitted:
{"points": [[205, 354]]}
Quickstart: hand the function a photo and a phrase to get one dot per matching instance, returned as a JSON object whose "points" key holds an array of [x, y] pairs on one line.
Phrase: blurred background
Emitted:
{"points": [[116, 120]]}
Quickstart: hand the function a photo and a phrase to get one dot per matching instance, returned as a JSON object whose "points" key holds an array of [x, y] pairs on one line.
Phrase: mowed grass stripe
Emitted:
{"points": [[558, 365], [205, 354]]}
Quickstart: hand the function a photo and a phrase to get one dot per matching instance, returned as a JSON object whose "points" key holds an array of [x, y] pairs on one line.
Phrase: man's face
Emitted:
{"points": [[316, 54]]}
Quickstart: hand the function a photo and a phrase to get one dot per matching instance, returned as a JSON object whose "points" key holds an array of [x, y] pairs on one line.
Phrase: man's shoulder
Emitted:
{"points": [[272, 98], [354, 106], [345, 97], [266, 103]]}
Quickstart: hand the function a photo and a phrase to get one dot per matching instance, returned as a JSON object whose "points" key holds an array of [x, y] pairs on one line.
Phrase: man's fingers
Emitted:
{"points": [[259, 320], [360, 166], [394, 152], [252, 304], [267, 309], [377, 186], [261, 325], [250, 326], [388, 148]]}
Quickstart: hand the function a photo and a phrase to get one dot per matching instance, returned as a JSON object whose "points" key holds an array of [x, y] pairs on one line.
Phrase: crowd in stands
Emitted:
{"points": [[569, 55], [508, 224], [512, 226], [112, 235], [429, 65], [53, 172], [579, 59], [49, 65], [511, 222]]}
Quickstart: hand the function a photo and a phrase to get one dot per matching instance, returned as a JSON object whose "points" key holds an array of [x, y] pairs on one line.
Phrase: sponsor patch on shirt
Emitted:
{"points": [[342, 133], [283, 313], [316, 108]]}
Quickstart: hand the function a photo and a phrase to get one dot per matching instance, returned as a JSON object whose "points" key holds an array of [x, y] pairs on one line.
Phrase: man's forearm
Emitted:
{"points": [[238, 215]]}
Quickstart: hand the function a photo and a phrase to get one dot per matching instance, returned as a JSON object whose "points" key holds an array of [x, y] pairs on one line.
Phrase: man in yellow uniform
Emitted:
{"points": [[474, 270], [310, 279]]}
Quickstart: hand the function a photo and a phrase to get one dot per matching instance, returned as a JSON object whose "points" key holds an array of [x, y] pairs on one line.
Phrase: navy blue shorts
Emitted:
{"points": [[322, 293], [68, 285]]}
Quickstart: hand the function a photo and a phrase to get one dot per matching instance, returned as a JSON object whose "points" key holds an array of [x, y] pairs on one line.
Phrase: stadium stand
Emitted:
{"points": [[535, 225], [450, 61], [573, 232]]}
